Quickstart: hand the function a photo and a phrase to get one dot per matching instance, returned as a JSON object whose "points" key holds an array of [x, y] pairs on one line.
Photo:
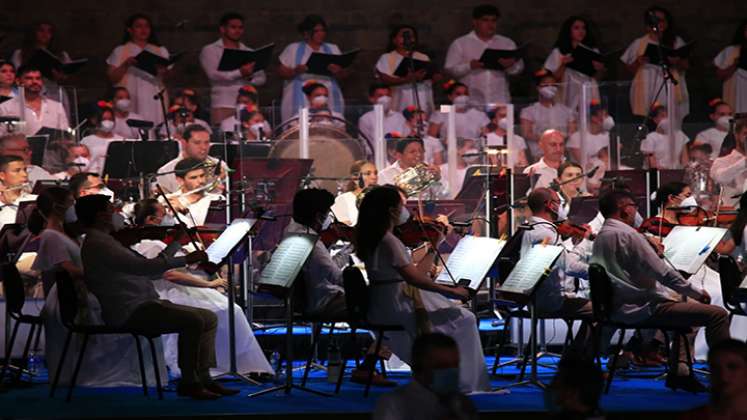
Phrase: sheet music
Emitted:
{"points": [[530, 268], [227, 241], [287, 260], [471, 260], [687, 247]]}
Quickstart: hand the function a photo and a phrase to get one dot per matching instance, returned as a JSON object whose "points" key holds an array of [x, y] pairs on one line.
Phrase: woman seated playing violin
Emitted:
{"points": [[673, 200]]}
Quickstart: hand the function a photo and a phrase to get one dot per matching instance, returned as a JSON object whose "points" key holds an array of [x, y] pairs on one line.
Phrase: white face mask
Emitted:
{"points": [[327, 221], [461, 101], [503, 123], [723, 122], [689, 202], [319, 100], [548, 92], [608, 123], [256, 127], [663, 126], [106, 126], [404, 216], [82, 163], [122, 105], [470, 160], [384, 101]]}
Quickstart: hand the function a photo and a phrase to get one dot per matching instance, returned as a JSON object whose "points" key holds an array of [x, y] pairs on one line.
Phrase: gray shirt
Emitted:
{"points": [[641, 280], [120, 278]]}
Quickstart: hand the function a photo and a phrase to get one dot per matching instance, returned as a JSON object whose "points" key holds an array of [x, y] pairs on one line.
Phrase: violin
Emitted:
{"points": [[700, 217], [133, 234], [566, 229], [416, 231], [337, 231]]}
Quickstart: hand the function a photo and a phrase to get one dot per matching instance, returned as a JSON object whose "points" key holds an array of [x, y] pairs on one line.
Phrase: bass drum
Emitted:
{"points": [[332, 149]]}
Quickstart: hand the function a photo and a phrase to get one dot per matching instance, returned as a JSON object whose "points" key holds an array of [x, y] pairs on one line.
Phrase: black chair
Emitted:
{"points": [[602, 293], [15, 297], [731, 278], [357, 303], [69, 304]]}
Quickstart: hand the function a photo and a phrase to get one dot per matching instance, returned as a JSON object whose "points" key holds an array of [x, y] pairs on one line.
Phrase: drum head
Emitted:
{"points": [[332, 150]]}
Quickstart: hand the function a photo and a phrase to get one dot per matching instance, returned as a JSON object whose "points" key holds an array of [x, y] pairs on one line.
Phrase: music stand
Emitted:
{"points": [[136, 159], [278, 279], [520, 286], [38, 145], [583, 210]]}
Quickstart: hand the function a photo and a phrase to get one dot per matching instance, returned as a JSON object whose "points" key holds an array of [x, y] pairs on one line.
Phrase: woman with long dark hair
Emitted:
{"points": [[576, 32], [139, 36], [8, 87], [728, 70], [403, 41], [41, 35], [647, 76], [403, 292]]}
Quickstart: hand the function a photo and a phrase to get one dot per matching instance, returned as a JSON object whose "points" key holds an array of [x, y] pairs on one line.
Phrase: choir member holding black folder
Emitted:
{"points": [[229, 65], [310, 59], [731, 67]]}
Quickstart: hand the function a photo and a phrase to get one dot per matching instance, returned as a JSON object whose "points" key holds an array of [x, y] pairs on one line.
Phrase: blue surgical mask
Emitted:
{"points": [[445, 381]]}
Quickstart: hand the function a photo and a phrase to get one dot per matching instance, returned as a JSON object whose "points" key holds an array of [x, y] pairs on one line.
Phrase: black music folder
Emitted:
{"points": [[583, 57], [233, 59], [652, 52], [318, 62], [149, 62], [742, 61], [490, 56], [404, 67], [46, 62]]}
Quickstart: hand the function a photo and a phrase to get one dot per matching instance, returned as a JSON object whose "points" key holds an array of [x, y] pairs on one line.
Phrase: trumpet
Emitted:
{"points": [[415, 179]]}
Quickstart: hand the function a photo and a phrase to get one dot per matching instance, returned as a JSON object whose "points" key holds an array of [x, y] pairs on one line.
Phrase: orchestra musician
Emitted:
{"points": [[14, 187], [730, 171], [363, 174], [410, 153], [192, 200], [194, 287], [196, 145]]}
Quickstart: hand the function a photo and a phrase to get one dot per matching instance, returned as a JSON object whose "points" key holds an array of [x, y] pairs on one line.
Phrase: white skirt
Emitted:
{"points": [[249, 355]]}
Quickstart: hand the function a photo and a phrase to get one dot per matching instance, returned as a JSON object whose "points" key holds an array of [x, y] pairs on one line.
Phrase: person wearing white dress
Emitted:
{"points": [[721, 115], [403, 94], [42, 36], [143, 86], [363, 174], [730, 171], [728, 70], [98, 142], [110, 360], [648, 77], [34, 109], [495, 135], [403, 293], [597, 135], [294, 71], [224, 84], [576, 32], [195, 288], [545, 114], [463, 58], [469, 122], [394, 121], [122, 105], [657, 144]]}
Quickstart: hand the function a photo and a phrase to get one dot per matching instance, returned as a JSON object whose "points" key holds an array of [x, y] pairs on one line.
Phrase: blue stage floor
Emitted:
{"points": [[627, 395]]}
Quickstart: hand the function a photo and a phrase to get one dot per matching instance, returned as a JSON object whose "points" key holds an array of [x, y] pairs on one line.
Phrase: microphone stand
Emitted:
{"points": [[410, 48], [160, 97]]}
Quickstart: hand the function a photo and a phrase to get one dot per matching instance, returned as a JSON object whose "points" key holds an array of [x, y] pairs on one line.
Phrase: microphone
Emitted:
{"points": [[159, 95], [139, 123], [592, 172], [4, 120]]}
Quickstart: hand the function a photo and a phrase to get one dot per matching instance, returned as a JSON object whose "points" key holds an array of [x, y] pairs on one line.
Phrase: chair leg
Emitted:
{"points": [[143, 379], [613, 363], [25, 356], [372, 367], [38, 337], [315, 333], [9, 351], [78, 363], [154, 359], [60, 364]]}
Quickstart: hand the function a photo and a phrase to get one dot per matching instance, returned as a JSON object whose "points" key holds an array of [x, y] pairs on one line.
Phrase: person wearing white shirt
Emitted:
{"points": [[597, 136], [403, 39], [643, 284], [648, 77], [191, 201], [730, 171], [122, 71], [14, 187], [247, 101], [496, 133], [433, 392], [576, 32], [552, 144], [34, 109], [224, 84], [721, 115], [728, 70], [468, 121], [410, 152], [98, 142], [195, 144], [379, 93], [462, 58], [363, 174], [122, 104], [253, 125], [78, 160], [545, 114], [657, 144], [294, 71], [17, 145]]}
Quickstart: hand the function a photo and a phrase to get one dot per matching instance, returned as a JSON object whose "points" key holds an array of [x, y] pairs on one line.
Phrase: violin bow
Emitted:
{"points": [[176, 216]]}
